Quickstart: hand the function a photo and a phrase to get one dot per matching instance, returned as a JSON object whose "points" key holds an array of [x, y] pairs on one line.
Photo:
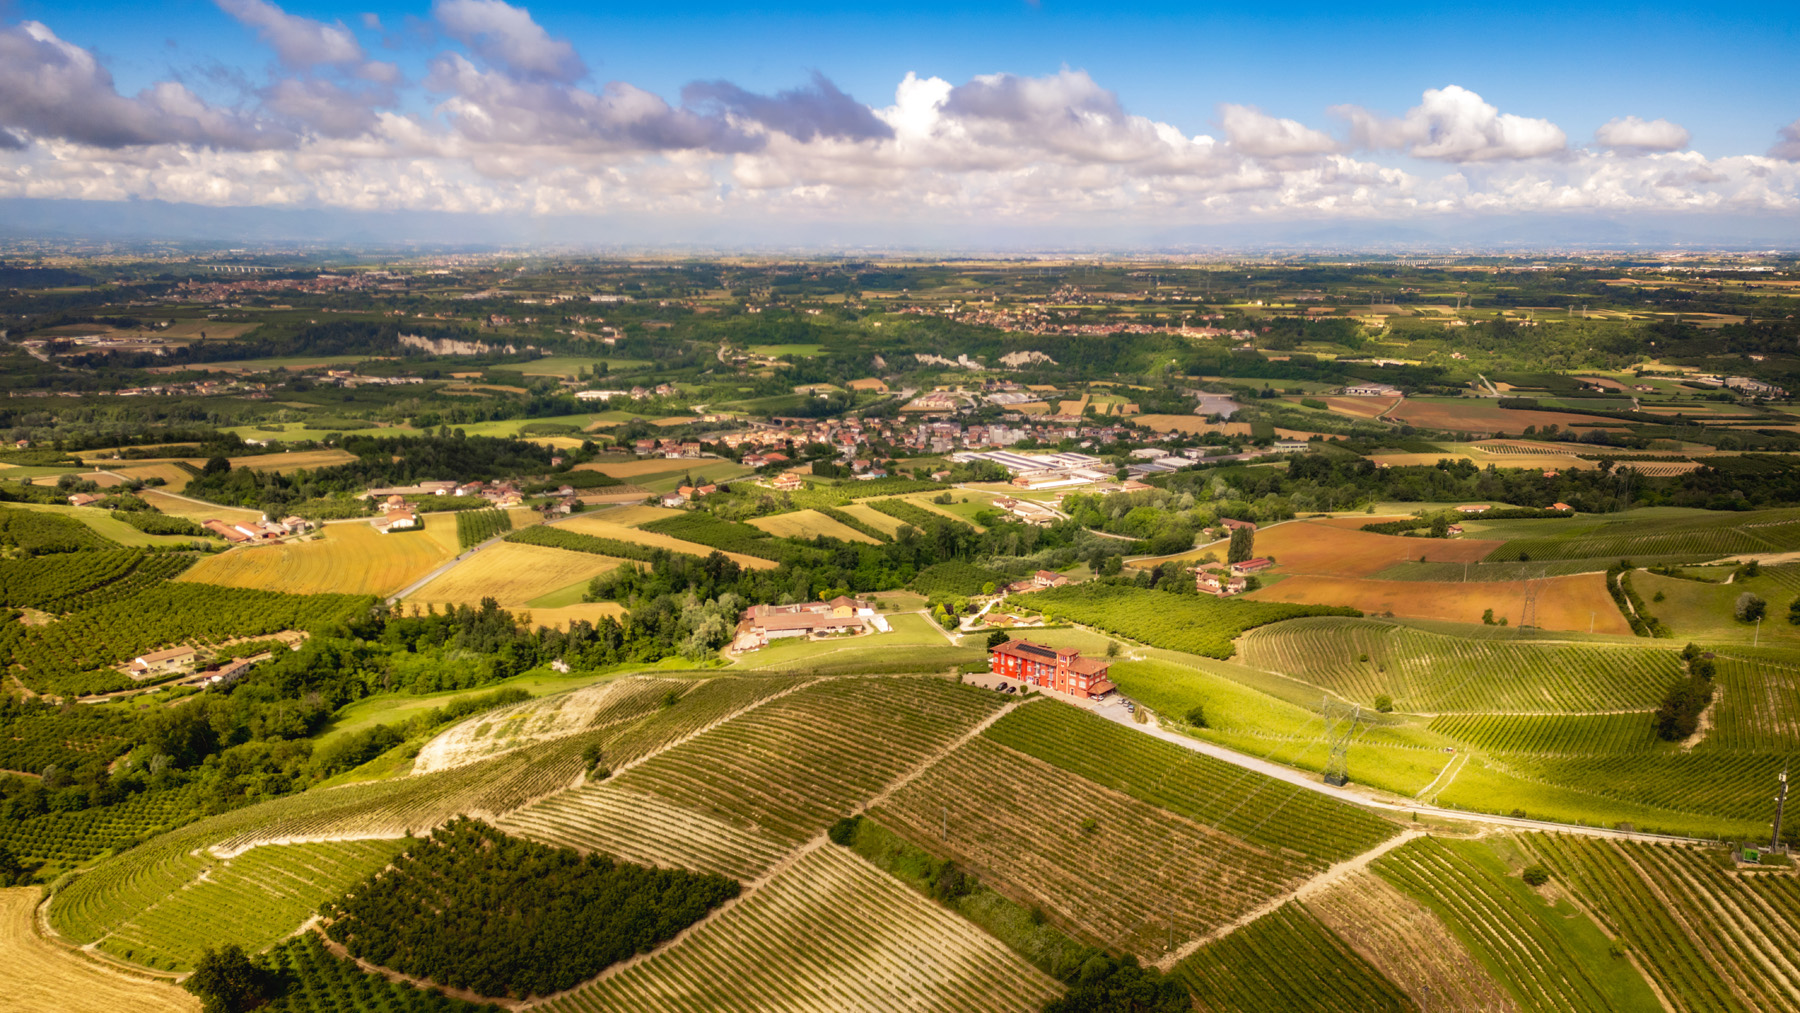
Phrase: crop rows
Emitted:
{"points": [[1557, 734], [476, 526], [1432, 673], [1744, 924], [916, 515], [830, 934], [558, 538], [1131, 879], [1758, 531], [792, 766], [37, 582], [1287, 961], [152, 569], [706, 703], [34, 532], [1198, 624], [252, 900], [316, 981], [1254, 807], [1737, 785], [647, 830], [1407, 942], [1758, 706], [1533, 959], [71, 838], [1611, 886]]}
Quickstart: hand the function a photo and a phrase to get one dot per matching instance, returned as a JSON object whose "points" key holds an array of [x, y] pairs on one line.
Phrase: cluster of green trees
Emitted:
{"points": [[1679, 714], [511, 917], [381, 461]]}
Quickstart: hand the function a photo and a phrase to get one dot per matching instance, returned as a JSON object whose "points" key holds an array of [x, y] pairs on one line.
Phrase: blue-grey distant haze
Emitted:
{"points": [[984, 126]]}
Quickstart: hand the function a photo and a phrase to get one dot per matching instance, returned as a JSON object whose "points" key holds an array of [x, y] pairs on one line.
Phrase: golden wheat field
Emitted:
{"points": [[809, 524], [513, 574], [638, 469], [293, 460], [41, 975], [638, 513], [350, 558], [872, 517], [197, 512]]}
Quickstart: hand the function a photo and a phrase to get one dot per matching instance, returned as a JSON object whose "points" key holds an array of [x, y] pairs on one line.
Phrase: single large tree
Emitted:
{"points": [[1243, 545], [226, 981]]}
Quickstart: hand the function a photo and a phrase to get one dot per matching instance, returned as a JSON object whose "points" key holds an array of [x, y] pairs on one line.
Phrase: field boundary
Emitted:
{"points": [[1323, 880]]}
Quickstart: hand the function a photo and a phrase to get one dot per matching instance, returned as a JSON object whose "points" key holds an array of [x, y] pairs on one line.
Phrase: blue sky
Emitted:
{"points": [[1719, 87]]}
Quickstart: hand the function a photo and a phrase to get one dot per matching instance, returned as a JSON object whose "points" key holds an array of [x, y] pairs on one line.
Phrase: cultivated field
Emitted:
{"points": [[793, 765], [653, 466], [1646, 533], [1483, 415], [41, 975], [1433, 673], [809, 524], [1138, 875], [197, 511], [176, 907], [1712, 939], [1329, 550], [1577, 602], [827, 934], [1286, 960], [512, 574], [646, 828], [1406, 942], [291, 461], [873, 517], [600, 527], [1548, 960], [350, 558]]}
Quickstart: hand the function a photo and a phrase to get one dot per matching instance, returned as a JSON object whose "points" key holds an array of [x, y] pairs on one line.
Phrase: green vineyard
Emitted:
{"points": [[476, 526], [831, 933], [1261, 810], [1197, 624], [1689, 538], [792, 766], [1433, 673], [1288, 961]]}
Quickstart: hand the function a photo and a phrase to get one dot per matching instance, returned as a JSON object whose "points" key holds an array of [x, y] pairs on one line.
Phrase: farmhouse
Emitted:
{"points": [[1256, 565], [174, 659], [1062, 669], [1027, 511], [1219, 583], [1371, 390], [789, 482], [1233, 524], [1471, 509], [759, 624], [1038, 582]]}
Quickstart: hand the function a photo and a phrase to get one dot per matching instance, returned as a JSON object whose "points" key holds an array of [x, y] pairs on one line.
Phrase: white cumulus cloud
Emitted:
{"points": [[298, 42], [1632, 133], [1453, 124], [508, 37], [1254, 132]]}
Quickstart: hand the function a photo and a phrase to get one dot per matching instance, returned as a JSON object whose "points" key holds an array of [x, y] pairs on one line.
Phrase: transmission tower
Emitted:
{"points": [[1340, 727], [1529, 618]]}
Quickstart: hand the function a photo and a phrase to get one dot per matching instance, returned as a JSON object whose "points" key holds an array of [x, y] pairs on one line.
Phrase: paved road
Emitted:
{"points": [[1116, 712]]}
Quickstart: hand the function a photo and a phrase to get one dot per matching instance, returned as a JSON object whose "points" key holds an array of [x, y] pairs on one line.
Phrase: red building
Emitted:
{"points": [[1062, 669]]}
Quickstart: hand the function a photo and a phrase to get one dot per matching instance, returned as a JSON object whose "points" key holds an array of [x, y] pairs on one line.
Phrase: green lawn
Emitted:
{"points": [[1704, 612], [776, 351], [572, 365], [393, 709], [570, 595]]}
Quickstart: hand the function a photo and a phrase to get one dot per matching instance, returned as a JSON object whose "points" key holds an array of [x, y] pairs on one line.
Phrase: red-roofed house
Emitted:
{"points": [[1234, 524], [1062, 669], [1252, 565]]}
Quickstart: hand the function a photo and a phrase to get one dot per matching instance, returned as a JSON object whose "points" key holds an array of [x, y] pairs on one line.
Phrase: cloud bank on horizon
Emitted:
{"points": [[507, 119]]}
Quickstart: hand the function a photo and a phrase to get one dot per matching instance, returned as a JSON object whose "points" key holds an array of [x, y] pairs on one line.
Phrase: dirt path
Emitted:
{"points": [[1705, 724], [1322, 881], [1431, 791]]}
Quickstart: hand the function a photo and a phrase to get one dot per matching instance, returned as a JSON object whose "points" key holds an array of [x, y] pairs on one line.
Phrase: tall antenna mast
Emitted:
{"points": [[1780, 804]]}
